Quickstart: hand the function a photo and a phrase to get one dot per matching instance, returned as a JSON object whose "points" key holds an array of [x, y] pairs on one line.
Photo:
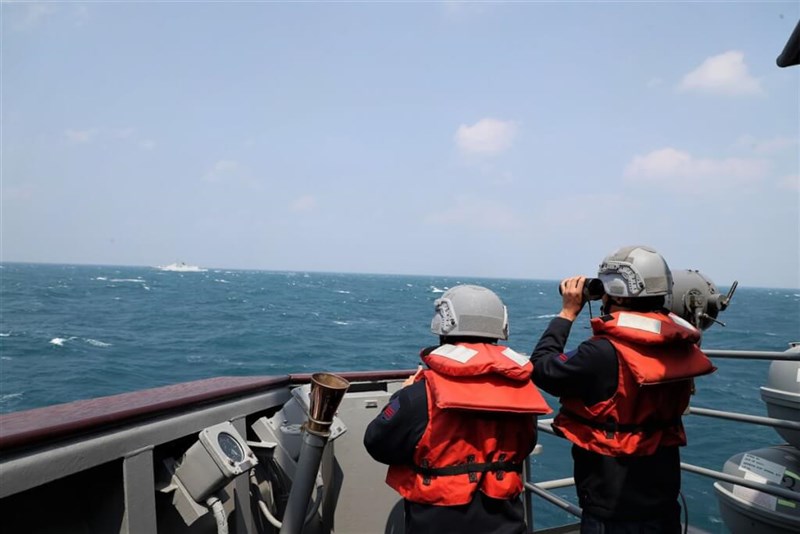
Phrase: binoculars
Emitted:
{"points": [[592, 289]]}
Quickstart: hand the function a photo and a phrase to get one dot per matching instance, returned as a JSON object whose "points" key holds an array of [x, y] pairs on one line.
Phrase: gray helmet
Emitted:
{"points": [[635, 271], [470, 311]]}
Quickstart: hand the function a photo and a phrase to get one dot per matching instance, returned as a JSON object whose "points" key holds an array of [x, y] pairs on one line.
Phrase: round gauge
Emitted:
{"points": [[230, 447]]}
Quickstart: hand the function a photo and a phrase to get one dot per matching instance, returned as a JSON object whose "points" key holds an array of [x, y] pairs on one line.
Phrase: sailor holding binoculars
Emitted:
{"points": [[623, 392]]}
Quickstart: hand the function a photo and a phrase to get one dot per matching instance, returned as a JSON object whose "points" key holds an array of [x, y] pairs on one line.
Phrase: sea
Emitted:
{"points": [[70, 332]]}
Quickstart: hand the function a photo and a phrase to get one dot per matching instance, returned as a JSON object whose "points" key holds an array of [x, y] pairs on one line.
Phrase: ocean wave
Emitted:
{"points": [[134, 280], [6, 358], [343, 323], [59, 341], [343, 292], [9, 396], [221, 281], [5, 335], [101, 278], [97, 343], [546, 316], [435, 289]]}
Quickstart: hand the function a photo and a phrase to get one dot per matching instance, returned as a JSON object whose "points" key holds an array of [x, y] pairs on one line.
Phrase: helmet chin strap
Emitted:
{"points": [[606, 308]]}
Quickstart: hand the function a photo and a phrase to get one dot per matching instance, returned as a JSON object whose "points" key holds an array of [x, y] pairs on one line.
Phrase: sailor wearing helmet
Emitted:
{"points": [[456, 436], [622, 394]]}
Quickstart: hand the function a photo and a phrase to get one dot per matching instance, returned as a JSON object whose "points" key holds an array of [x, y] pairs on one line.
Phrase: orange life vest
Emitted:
{"points": [[658, 357], [481, 426]]}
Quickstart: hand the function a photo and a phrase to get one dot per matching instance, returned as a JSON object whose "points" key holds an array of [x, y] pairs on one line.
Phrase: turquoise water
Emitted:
{"points": [[74, 332]]}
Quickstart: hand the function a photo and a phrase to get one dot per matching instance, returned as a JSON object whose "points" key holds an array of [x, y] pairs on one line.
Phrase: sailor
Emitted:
{"points": [[456, 435], [622, 394]]}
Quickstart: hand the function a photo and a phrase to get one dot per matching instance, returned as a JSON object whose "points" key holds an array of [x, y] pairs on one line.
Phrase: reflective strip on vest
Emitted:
{"points": [[639, 322], [458, 353], [515, 356]]}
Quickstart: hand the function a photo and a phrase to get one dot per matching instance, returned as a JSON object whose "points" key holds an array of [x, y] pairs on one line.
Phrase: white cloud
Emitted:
{"points": [[476, 214], [223, 169], [124, 135], [766, 146], [486, 137], [670, 168], [80, 136], [724, 74], [35, 12], [303, 204], [791, 182]]}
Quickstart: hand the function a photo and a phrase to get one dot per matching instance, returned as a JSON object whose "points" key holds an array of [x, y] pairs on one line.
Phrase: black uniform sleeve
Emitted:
{"points": [[588, 372], [392, 436]]}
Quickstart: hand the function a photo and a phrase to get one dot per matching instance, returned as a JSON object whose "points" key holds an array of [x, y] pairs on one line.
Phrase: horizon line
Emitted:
{"points": [[206, 269]]}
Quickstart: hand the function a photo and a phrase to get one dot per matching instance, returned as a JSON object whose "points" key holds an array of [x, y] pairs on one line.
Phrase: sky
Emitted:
{"points": [[505, 140]]}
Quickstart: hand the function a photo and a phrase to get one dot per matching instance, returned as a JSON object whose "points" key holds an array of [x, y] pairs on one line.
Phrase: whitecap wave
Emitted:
{"points": [[221, 281], [5, 335], [6, 358], [9, 396], [435, 289], [58, 341], [342, 291], [546, 316], [125, 280], [343, 323], [97, 343], [101, 278]]}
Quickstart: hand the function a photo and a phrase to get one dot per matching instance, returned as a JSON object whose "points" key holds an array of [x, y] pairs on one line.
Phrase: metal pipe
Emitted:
{"points": [[724, 477], [556, 483], [790, 355], [554, 499], [546, 425], [528, 502], [746, 418], [327, 391], [303, 483]]}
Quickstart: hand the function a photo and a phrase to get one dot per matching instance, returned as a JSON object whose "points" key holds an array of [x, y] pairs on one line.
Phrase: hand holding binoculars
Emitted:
{"points": [[592, 289]]}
